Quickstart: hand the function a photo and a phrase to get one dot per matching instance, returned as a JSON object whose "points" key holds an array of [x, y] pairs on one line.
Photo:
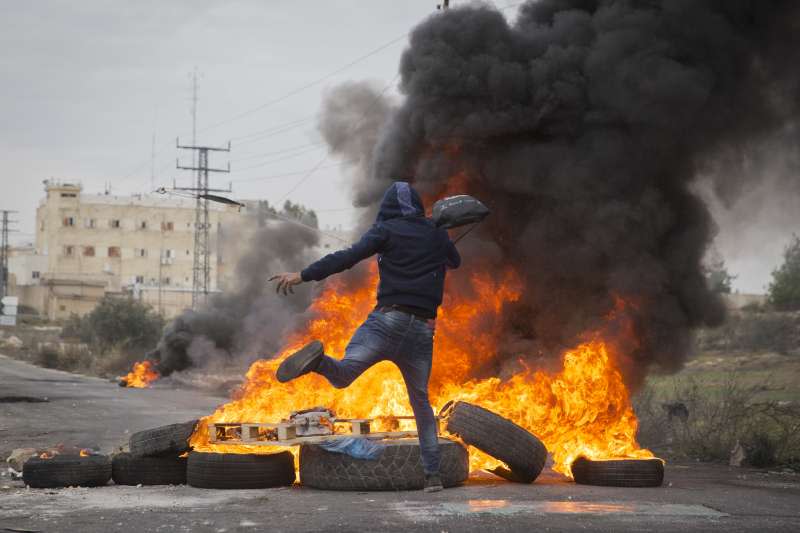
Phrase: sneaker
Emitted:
{"points": [[301, 362], [433, 483]]}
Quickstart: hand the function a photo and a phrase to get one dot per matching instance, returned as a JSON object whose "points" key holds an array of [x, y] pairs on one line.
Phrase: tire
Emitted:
{"points": [[398, 468], [240, 471], [521, 451], [67, 471], [129, 470], [168, 440], [619, 472]]}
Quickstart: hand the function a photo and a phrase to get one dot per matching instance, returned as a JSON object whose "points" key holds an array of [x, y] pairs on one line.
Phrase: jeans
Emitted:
{"points": [[407, 341]]}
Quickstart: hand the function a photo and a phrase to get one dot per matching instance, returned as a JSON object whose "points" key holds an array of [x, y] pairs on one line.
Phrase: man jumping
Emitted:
{"points": [[413, 255]]}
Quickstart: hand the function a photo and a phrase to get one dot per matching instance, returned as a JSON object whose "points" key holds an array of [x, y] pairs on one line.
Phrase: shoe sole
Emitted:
{"points": [[297, 364], [433, 489]]}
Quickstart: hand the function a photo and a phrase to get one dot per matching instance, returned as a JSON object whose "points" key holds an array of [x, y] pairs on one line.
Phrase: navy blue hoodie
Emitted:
{"points": [[413, 253]]}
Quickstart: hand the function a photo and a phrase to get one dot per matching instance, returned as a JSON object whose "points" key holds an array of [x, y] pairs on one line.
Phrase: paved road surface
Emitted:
{"points": [[84, 411]]}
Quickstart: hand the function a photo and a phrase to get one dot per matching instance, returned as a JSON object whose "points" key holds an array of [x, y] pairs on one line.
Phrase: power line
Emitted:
{"points": [[287, 174], [279, 159], [278, 152], [316, 167], [308, 85], [274, 129]]}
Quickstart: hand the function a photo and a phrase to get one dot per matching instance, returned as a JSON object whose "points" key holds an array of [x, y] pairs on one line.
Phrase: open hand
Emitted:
{"points": [[286, 281]]}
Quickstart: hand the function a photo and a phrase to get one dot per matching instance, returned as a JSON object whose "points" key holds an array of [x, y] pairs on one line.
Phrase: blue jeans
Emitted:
{"points": [[407, 341]]}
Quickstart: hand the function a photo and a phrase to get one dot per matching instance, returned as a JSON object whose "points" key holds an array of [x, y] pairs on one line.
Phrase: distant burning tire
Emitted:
{"points": [[67, 471], [619, 472], [129, 470], [240, 471], [398, 468], [522, 451], [169, 440]]}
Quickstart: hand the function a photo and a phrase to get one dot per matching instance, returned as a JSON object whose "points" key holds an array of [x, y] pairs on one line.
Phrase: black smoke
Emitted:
{"points": [[584, 125], [247, 321]]}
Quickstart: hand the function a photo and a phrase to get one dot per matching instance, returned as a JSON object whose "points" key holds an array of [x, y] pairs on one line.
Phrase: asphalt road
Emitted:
{"points": [[87, 411]]}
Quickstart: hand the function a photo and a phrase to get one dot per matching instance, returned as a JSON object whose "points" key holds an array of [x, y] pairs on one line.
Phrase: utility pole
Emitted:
{"points": [[201, 267], [4, 231]]}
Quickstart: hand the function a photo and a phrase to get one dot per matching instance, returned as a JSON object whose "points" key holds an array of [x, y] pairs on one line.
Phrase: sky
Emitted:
{"points": [[86, 85]]}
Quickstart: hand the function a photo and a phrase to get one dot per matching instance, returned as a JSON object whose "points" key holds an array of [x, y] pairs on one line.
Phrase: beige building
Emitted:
{"points": [[89, 245]]}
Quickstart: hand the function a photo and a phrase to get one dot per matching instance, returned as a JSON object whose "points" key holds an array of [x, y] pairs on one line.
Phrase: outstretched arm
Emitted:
{"points": [[370, 243]]}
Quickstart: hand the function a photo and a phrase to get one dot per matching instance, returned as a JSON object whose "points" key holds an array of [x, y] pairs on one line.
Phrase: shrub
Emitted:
{"points": [[47, 356], [761, 450], [716, 421], [784, 290], [117, 323]]}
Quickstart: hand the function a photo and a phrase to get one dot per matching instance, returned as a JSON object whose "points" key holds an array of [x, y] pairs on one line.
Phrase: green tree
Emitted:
{"points": [[120, 322], [784, 290], [718, 279]]}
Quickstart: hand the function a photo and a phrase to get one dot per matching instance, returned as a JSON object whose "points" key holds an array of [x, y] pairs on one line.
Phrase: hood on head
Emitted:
{"points": [[400, 200]]}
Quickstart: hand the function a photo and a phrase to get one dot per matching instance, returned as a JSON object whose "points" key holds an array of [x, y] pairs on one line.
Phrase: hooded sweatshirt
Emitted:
{"points": [[413, 254]]}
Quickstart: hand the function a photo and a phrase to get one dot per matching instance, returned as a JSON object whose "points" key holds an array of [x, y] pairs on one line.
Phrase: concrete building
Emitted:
{"points": [[89, 245]]}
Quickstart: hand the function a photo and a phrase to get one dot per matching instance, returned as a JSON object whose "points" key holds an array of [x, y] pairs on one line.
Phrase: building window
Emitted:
{"points": [[89, 223], [88, 251], [187, 252], [69, 221], [113, 251], [140, 252], [69, 251], [68, 195], [35, 274], [139, 279], [41, 226], [116, 223], [167, 226], [143, 224], [166, 281]]}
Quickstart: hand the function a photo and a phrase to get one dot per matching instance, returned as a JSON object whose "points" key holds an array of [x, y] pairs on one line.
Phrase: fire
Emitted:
{"points": [[85, 452], [584, 409], [141, 375]]}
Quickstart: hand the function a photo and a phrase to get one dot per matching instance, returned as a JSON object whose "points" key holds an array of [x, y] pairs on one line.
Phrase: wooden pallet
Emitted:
{"points": [[285, 433]]}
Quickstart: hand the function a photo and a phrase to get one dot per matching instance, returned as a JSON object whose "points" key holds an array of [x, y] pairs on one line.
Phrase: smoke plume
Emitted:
{"points": [[583, 125], [247, 321]]}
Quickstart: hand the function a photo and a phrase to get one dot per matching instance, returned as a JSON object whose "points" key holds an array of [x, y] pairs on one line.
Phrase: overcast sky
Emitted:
{"points": [[85, 85]]}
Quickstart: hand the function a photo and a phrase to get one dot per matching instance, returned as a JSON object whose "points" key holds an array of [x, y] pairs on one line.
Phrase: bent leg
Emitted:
{"points": [[341, 373]]}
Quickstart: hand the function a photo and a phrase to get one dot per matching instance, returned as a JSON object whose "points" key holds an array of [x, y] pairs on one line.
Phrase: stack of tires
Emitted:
{"points": [[399, 466], [70, 470], [162, 456], [155, 456]]}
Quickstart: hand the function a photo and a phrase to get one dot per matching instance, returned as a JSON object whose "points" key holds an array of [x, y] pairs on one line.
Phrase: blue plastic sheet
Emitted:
{"points": [[357, 447]]}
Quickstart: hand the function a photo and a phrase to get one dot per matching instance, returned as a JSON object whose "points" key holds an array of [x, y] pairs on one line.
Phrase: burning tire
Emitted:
{"points": [[522, 451], [129, 470], [619, 472], [67, 471], [398, 468], [165, 440], [240, 471]]}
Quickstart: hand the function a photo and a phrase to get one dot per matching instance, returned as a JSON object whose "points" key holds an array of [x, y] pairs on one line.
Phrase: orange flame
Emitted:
{"points": [[141, 375], [85, 452], [584, 409]]}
